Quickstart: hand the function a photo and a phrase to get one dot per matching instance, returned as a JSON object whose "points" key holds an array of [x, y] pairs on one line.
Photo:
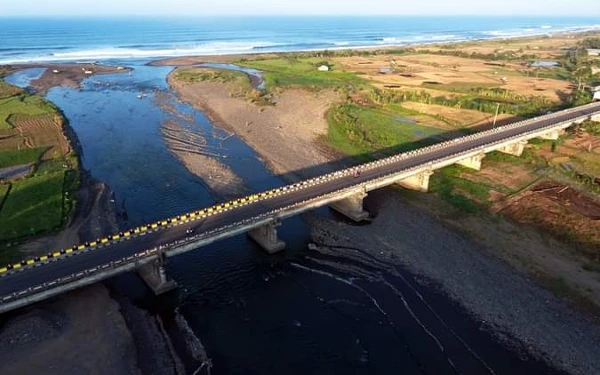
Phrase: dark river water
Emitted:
{"points": [[253, 313]]}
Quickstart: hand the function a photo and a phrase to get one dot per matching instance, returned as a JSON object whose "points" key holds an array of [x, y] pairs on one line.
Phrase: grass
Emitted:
{"points": [[293, 71], [214, 75], [460, 87], [358, 130], [19, 157], [457, 191], [33, 206], [22, 104], [3, 191]]}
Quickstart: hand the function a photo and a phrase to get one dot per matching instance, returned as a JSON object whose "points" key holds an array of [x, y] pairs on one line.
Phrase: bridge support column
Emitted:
{"points": [[553, 135], [352, 207], [266, 237], [155, 276], [418, 182], [515, 149], [473, 162]]}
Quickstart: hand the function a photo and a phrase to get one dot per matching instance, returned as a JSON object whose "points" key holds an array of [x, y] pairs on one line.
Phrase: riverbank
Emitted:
{"points": [[502, 291], [53, 333]]}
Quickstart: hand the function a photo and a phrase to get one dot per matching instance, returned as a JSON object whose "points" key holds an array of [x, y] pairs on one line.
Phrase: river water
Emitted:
{"points": [[297, 312]]}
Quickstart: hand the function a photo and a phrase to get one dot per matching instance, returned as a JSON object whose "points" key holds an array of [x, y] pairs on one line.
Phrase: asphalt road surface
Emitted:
{"points": [[21, 280]]}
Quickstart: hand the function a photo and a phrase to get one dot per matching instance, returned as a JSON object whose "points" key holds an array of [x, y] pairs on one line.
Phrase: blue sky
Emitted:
{"points": [[300, 7]]}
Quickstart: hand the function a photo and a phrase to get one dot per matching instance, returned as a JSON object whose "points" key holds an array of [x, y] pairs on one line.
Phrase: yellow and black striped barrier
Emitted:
{"points": [[138, 231]]}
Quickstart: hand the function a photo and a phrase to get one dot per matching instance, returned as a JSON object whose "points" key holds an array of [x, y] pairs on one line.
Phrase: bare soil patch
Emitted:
{"points": [[43, 130], [460, 118], [69, 75], [190, 148], [558, 208], [287, 135]]}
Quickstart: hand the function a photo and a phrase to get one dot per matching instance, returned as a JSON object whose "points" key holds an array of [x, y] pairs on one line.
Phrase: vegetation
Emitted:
{"points": [[482, 99], [39, 203], [33, 205], [20, 157], [294, 71], [3, 192], [22, 104], [359, 130]]}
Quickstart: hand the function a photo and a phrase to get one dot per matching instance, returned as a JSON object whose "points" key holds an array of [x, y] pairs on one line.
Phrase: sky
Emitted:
{"points": [[299, 7]]}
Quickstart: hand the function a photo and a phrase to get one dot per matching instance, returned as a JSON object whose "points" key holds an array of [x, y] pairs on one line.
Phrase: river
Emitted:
{"points": [[295, 313]]}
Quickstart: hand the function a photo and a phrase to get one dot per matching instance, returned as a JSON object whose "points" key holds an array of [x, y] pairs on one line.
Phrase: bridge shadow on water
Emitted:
{"points": [[345, 310]]}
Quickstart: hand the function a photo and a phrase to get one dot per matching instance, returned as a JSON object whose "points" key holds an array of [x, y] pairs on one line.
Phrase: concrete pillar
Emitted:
{"points": [[266, 237], [553, 135], [473, 162], [352, 207], [418, 182], [155, 276], [515, 149]]}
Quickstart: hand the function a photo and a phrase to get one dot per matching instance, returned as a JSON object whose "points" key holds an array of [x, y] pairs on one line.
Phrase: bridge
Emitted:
{"points": [[145, 248]]}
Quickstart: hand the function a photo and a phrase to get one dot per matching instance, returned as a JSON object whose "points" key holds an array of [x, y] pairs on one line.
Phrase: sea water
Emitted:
{"points": [[90, 39]]}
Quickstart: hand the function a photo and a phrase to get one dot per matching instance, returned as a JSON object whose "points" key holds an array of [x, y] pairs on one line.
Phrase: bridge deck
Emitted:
{"points": [[17, 281]]}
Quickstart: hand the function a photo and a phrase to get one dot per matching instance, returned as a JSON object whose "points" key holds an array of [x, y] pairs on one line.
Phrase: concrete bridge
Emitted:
{"points": [[145, 248]]}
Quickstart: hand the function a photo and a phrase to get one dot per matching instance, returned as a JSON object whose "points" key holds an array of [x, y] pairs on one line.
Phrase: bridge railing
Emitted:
{"points": [[197, 215], [254, 198]]}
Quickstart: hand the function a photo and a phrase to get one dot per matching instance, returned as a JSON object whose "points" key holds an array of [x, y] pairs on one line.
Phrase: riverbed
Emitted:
{"points": [[302, 311]]}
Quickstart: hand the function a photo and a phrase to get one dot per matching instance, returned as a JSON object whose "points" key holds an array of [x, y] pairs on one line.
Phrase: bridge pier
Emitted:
{"points": [[352, 207], [418, 182], [266, 237], [473, 162], [515, 149], [553, 135], [155, 276]]}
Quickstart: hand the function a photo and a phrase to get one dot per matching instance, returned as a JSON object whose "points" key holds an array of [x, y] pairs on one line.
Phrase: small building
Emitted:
{"points": [[596, 89], [596, 96], [56, 71], [545, 64], [593, 52], [323, 68], [88, 72]]}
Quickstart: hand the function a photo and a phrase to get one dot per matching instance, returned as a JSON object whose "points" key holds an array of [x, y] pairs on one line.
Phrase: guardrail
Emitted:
{"points": [[254, 198], [201, 214]]}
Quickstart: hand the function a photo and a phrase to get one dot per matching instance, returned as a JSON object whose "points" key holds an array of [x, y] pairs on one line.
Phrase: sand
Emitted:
{"points": [[287, 136]]}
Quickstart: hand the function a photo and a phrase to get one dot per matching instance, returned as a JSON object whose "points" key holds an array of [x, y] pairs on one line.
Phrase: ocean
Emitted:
{"points": [[24, 40]]}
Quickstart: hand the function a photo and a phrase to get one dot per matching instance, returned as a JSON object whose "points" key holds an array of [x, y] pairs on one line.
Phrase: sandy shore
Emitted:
{"points": [[290, 149], [189, 148], [506, 300], [69, 75]]}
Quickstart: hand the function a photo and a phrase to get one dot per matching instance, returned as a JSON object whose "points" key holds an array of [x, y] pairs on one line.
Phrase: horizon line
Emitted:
{"points": [[90, 15]]}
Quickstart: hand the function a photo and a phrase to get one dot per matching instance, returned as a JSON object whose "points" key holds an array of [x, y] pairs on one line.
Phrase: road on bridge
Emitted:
{"points": [[19, 280]]}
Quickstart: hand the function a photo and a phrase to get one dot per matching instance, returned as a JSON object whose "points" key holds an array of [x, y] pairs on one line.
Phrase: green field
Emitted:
{"points": [[293, 71], [214, 75], [3, 192], [34, 205], [19, 157], [357, 130], [22, 104]]}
